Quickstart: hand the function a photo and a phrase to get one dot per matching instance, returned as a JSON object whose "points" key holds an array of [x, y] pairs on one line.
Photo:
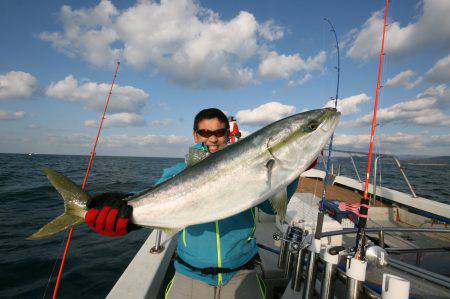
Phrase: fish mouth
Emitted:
{"points": [[330, 119]]}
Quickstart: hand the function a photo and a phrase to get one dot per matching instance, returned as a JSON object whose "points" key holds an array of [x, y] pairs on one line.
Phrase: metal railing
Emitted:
{"points": [[378, 157]]}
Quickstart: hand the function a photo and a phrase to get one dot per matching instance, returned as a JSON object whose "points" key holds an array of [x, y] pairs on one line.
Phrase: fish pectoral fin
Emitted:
{"points": [[269, 166], [279, 203], [57, 225]]}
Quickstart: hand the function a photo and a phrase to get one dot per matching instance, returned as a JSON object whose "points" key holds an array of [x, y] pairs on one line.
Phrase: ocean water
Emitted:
{"points": [[27, 201]]}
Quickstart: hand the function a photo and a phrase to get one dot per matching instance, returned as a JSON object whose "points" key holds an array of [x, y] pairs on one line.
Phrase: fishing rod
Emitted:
{"points": [[321, 213], [364, 203], [330, 147], [86, 175]]}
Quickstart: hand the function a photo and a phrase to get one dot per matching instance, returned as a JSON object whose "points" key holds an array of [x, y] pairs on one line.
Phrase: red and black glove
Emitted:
{"points": [[109, 214]]}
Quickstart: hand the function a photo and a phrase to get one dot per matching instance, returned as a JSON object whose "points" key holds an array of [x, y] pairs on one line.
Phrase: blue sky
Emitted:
{"points": [[256, 60]]}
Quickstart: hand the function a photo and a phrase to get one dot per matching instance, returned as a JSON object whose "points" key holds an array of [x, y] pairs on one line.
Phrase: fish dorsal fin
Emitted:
{"points": [[194, 156], [279, 203]]}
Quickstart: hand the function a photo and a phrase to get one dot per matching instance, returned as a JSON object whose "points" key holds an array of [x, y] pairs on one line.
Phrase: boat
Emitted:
{"points": [[409, 235], [401, 249]]}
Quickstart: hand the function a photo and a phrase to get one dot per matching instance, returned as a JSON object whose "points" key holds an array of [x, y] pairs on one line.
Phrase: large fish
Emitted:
{"points": [[241, 176]]}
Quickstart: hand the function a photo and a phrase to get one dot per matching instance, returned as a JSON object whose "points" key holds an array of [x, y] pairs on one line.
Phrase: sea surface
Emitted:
{"points": [[27, 202]]}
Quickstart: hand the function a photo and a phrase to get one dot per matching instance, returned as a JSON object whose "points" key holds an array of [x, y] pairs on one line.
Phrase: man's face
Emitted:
{"points": [[213, 142]]}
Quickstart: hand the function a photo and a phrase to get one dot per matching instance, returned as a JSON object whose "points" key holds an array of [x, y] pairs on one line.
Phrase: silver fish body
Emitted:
{"points": [[240, 176], [223, 184]]}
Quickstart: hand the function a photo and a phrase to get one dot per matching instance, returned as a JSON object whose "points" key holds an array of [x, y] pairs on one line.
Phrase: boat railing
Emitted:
{"points": [[299, 252], [378, 157]]}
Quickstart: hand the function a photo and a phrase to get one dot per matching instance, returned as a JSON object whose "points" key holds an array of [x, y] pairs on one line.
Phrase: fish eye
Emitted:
{"points": [[312, 125]]}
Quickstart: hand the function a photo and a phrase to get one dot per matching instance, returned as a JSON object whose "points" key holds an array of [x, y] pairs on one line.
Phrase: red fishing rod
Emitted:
{"points": [[364, 204], [86, 175]]}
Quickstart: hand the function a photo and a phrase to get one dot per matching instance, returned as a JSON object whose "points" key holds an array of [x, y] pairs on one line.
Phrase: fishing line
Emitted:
{"points": [[91, 159], [56, 261]]}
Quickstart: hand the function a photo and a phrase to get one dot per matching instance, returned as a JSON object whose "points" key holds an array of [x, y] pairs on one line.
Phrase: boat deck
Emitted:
{"points": [[305, 205], [335, 192]]}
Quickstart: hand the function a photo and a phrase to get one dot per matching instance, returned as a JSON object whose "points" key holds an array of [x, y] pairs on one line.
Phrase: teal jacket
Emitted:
{"points": [[227, 243]]}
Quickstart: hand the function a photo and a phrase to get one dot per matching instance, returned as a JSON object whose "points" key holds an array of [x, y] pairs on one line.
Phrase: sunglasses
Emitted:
{"points": [[208, 133]]}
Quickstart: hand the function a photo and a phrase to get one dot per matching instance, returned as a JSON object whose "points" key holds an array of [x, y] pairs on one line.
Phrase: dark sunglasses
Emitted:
{"points": [[208, 133]]}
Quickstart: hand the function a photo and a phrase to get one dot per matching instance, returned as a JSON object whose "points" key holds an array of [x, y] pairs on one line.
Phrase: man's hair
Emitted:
{"points": [[211, 113]]}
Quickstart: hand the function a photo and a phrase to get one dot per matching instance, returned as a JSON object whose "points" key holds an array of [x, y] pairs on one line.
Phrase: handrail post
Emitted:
{"points": [[158, 248], [354, 167], [404, 176], [374, 192]]}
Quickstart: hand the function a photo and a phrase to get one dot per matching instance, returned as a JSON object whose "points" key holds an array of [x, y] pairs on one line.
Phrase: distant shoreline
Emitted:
{"points": [[429, 164], [87, 155]]}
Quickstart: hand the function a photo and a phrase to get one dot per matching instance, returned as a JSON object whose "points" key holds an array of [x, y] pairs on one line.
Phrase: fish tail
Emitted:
{"points": [[75, 200]]}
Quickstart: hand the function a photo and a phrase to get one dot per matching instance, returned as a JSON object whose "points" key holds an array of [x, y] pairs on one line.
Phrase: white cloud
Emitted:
{"points": [[440, 140], [119, 120], [432, 27], [350, 105], [275, 65], [118, 144], [300, 81], [264, 114], [356, 141], [144, 140], [402, 79], [76, 139], [270, 31], [245, 133], [93, 95], [162, 122], [425, 110], [385, 141], [439, 91], [190, 44], [87, 33], [440, 72], [9, 115], [16, 84]]}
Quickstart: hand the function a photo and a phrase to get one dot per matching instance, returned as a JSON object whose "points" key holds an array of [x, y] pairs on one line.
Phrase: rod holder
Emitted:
{"points": [[356, 274], [292, 241], [331, 260], [394, 287], [297, 276], [284, 249], [310, 280]]}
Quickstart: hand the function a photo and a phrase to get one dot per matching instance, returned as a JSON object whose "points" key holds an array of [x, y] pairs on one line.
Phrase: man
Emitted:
{"points": [[234, 134], [216, 259]]}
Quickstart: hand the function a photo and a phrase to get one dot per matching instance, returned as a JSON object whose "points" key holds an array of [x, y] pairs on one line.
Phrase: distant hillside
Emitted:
{"points": [[437, 160]]}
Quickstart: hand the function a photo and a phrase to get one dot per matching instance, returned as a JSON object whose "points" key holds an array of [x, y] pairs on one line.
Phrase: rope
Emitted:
{"points": [[91, 159]]}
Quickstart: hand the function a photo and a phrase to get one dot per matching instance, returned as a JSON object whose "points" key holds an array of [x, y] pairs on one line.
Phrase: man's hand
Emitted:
{"points": [[109, 214]]}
